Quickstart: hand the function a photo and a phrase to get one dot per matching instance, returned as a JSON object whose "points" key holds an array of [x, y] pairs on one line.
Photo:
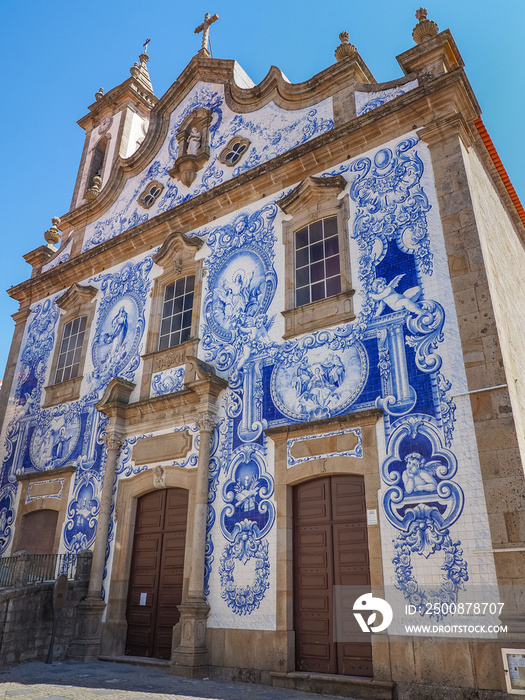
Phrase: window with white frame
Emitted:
{"points": [[317, 265], [70, 350], [177, 312]]}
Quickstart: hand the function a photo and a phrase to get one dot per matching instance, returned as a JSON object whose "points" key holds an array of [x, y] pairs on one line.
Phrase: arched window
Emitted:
{"points": [[97, 160]]}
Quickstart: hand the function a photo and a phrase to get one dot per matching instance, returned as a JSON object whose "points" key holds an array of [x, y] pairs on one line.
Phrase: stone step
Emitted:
{"points": [[355, 687], [137, 661]]}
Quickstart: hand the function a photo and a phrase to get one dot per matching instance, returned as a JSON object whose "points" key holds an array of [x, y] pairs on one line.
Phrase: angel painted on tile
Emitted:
{"points": [[419, 475], [385, 294]]}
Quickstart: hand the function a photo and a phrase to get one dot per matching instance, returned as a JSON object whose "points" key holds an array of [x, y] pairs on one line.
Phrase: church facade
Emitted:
{"points": [[268, 368]]}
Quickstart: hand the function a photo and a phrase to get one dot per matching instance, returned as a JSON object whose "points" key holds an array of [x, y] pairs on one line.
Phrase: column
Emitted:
{"points": [[190, 659], [86, 646]]}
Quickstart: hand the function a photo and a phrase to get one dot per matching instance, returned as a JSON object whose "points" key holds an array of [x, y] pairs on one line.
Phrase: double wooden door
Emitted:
{"points": [[155, 587], [330, 549]]}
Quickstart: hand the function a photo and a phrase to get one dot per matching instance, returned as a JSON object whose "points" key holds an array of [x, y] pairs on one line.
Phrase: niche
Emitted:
{"points": [[193, 138]]}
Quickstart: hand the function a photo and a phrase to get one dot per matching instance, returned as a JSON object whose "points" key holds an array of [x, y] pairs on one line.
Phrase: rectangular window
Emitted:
{"points": [[176, 312], [70, 350], [317, 269]]}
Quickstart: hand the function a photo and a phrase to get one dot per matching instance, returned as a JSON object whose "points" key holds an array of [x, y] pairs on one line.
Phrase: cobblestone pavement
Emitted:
{"points": [[115, 681]]}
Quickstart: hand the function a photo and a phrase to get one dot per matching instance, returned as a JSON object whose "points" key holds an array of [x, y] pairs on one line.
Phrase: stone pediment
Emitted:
{"points": [[310, 189], [76, 295], [177, 247]]}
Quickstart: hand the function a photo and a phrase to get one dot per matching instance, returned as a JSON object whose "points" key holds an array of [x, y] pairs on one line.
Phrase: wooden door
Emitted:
{"points": [[155, 588], [330, 549]]}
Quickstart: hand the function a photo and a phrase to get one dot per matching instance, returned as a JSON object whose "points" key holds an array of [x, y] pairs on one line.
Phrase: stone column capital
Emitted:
{"points": [[206, 423], [114, 439]]}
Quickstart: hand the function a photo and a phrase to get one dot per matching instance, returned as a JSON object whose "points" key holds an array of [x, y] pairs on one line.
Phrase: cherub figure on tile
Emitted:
{"points": [[385, 294], [419, 475]]}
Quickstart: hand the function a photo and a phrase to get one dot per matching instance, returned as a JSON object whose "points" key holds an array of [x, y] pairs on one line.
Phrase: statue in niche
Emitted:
{"points": [[193, 145], [419, 475], [194, 142], [385, 294]]}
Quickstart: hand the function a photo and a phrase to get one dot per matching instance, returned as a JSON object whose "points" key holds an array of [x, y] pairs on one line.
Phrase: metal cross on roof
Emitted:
{"points": [[205, 29]]}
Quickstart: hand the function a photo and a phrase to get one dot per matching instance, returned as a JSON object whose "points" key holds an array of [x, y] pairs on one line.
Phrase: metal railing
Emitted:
{"points": [[25, 569]]}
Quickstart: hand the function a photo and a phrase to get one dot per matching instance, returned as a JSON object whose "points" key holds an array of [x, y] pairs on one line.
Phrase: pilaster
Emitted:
{"points": [[20, 318]]}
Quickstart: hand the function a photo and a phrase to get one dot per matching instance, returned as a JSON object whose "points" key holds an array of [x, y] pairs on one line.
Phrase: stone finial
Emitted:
{"points": [[53, 235], [93, 192], [139, 71], [426, 29], [99, 95], [345, 48]]}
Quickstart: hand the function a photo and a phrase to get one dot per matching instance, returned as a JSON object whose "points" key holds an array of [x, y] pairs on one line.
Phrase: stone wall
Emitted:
{"points": [[26, 622]]}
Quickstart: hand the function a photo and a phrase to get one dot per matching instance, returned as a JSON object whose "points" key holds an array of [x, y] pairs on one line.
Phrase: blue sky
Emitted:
{"points": [[57, 54]]}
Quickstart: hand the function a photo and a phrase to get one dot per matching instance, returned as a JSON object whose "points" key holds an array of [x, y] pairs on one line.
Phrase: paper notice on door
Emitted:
{"points": [[371, 517], [143, 598]]}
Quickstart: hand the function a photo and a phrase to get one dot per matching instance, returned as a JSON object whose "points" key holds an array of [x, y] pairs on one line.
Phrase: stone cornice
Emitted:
{"points": [[272, 88], [187, 404], [46, 474], [366, 417], [450, 93], [115, 97]]}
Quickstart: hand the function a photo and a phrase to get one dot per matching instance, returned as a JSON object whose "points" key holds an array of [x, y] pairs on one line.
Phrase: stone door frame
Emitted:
{"points": [[114, 628], [285, 478]]}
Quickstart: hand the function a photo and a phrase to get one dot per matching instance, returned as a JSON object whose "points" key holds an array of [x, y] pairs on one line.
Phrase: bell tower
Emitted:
{"points": [[115, 127]]}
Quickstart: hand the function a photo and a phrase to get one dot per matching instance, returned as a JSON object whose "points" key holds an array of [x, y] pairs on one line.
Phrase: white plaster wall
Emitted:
{"points": [[135, 128]]}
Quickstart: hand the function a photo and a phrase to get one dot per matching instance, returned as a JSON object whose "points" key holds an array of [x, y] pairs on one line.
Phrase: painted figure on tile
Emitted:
{"points": [[315, 384], [59, 449], [119, 330], [385, 295], [23, 408], [3, 519], [53, 442], [419, 475], [194, 142], [246, 492], [239, 295]]}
